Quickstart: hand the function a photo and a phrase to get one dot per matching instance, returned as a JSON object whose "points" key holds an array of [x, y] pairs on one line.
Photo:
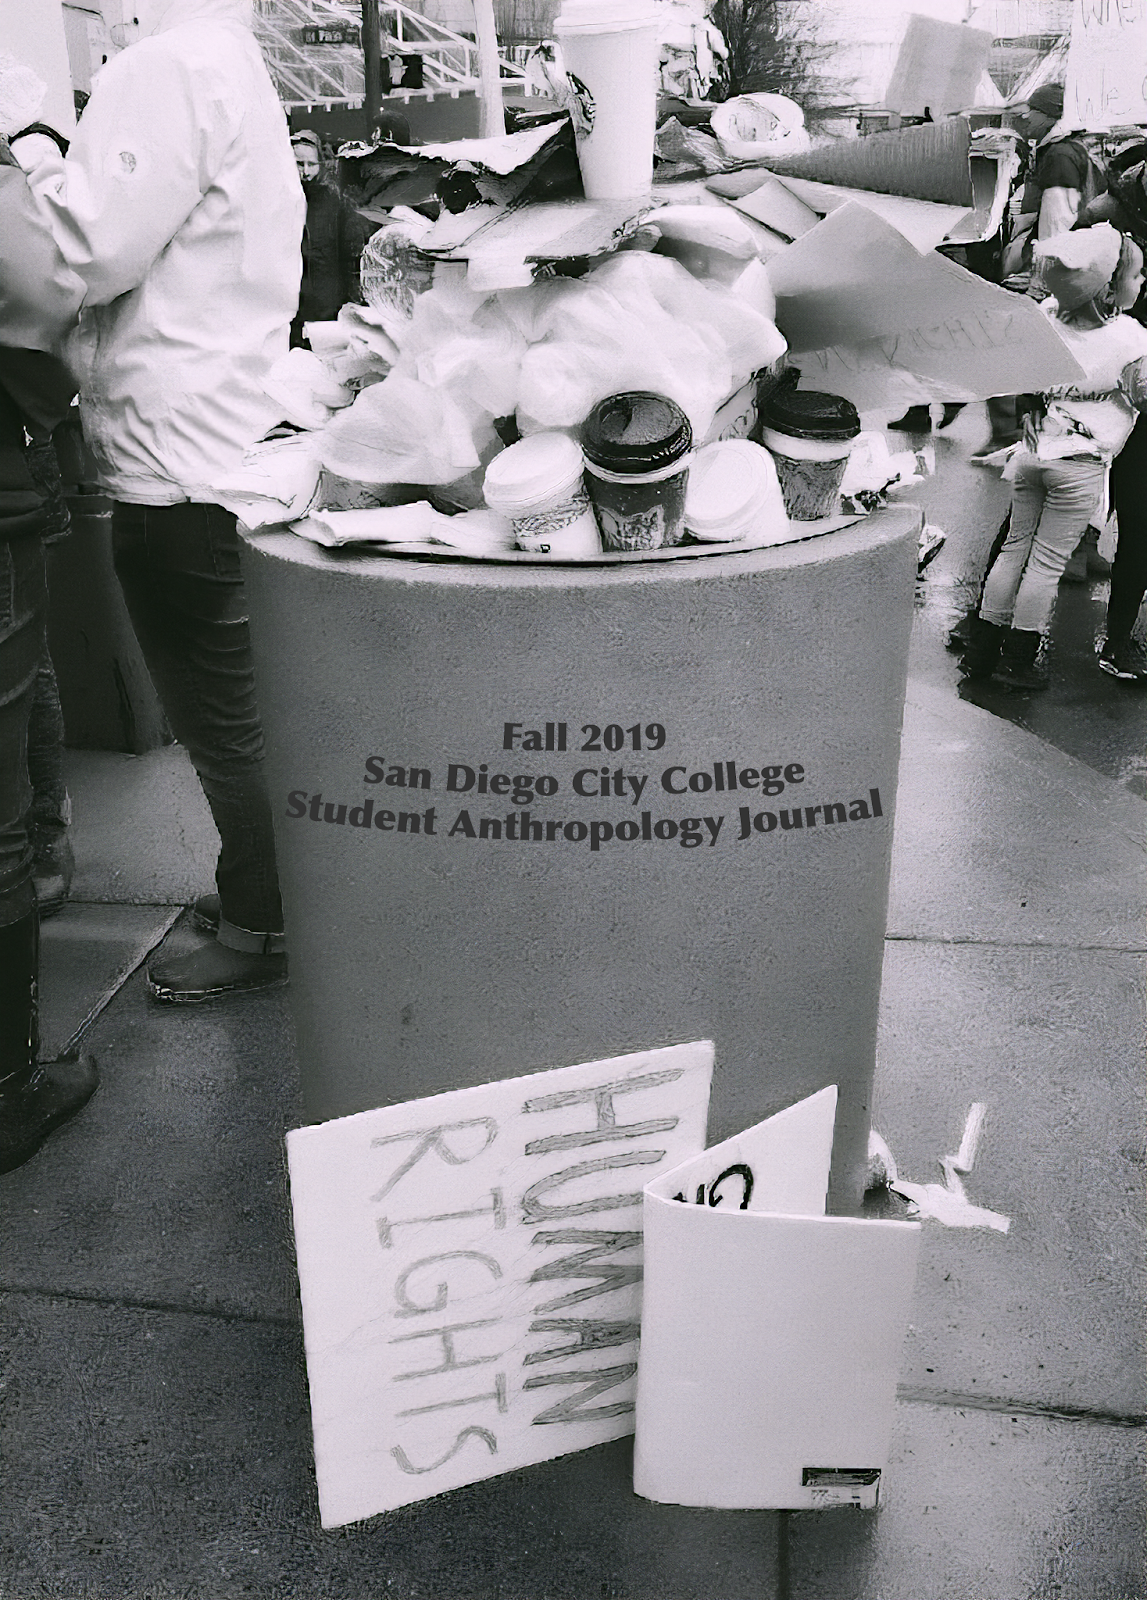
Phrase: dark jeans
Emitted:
{"points": [[50, 811], [179, 569], [1129, 569], [23, 609]]}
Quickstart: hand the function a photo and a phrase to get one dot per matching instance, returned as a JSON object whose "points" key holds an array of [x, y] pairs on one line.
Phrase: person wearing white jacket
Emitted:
{"points": [[179, 206]]}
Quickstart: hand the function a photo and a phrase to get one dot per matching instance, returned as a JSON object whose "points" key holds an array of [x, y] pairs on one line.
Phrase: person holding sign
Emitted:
{"points": [[1070, 439]]}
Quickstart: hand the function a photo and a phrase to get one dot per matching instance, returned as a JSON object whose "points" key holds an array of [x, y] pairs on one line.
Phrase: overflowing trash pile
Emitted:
{"points": [[565, 357]]}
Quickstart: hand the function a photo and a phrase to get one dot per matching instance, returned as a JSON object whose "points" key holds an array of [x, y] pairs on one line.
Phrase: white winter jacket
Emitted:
{"points": [[180, 207]]}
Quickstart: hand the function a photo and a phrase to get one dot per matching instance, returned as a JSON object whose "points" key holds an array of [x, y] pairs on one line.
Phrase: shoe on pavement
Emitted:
{"points": [[982, 651], [1018, 667], [1126, 660], [211, 972], [32, 1109], [960, 637], [205, 913]]}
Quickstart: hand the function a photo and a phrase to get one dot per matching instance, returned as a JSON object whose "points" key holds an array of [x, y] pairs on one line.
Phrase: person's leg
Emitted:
{"points": [[1073, 492], [35, 1097], [1007, 570], [51, 810], [1129, 569], [179, 569]]}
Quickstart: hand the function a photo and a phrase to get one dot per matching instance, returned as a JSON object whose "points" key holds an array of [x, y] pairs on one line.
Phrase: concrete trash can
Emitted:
{"points": [[529, 816]]}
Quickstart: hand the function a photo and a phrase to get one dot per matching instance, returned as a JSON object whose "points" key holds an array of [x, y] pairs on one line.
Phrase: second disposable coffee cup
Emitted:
{"points": [[809, 435], [610, 52], [538, 483], [637, 450]]}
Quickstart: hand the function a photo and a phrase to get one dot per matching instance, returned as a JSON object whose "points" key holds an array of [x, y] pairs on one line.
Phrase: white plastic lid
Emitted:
{"points": [[730, 483], [593, 14], [532, 471]]}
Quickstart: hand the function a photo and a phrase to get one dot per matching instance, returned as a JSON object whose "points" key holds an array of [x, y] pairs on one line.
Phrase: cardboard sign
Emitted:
{"points": [[939, 66], [770, 1333], [868, 316], [925, 223], [1106, 81], [471, 1266]]}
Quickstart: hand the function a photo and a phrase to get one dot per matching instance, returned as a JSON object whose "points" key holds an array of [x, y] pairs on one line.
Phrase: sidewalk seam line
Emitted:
{"points": [[1012, 944], [166, 1307], [103, 1001], [909, 1395]]}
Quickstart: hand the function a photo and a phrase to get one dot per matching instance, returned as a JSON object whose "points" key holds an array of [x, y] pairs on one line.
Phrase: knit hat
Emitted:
{"points": [[1048, 98], [307, 136], [1079, 265]]}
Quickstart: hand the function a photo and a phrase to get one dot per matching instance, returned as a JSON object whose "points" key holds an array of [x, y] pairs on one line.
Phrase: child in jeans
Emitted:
{"points": [[1093, 274]]}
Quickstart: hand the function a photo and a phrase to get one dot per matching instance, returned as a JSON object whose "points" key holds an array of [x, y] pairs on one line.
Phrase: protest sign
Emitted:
{"points": [[470, 1267], [1106, 81], [939, 67], [770, 1333], [869, 317]]}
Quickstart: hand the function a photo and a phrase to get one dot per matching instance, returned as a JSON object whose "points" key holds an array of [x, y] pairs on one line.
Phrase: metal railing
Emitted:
{"points": [[333, 74]]}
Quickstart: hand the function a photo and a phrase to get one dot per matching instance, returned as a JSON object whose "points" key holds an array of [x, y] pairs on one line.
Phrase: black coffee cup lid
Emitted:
{"points": [[810, 414], [636, 432]]}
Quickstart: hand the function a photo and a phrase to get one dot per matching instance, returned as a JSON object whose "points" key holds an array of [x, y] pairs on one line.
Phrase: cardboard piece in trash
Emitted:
{"points": [[770, 1333], [929, 162], [939, 67], [470, 1267], [862, 309], [1105, 85], [924, 222], [505, 243]]}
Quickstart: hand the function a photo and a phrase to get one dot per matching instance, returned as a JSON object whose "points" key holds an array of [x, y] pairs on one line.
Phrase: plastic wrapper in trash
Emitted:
{"points": [[753, 127], [642, 322], [375, 327], [400, 431], [392, 270], [476, 533], [305, 389], [481, 365], [873, 469], [710, 242], [688, 149], [277, 482]]}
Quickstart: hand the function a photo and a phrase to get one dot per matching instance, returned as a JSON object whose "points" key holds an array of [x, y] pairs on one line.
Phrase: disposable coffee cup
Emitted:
{"points": [[610, 52], [539, 484], [733, 495], [809, 436], [638, 447]]}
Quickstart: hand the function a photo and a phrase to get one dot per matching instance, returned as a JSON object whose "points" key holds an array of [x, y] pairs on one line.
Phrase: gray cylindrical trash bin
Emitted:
{"points": [[689, 770]]}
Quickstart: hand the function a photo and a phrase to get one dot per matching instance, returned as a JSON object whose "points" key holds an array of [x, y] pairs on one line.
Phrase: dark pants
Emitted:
{"points": [[23, 610], [1129, 569], [50, 811], [179, 569]]}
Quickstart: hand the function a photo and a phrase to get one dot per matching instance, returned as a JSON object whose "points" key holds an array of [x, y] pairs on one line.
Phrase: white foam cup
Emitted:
{"points": [[538, 484], [610, 52]]}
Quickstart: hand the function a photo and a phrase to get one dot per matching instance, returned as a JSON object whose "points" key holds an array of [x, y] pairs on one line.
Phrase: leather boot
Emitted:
{"points": [[982, 650], [35, 1096], [1018, 668]]}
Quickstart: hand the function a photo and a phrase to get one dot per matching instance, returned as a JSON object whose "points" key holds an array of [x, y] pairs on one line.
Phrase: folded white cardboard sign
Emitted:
{"points": [[770, 1333], [866, 313], [470, 1267]]}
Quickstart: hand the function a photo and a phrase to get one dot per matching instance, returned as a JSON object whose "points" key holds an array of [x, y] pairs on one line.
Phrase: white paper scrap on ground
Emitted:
{"points": [[948, 1202], [470, 1267], [770, 1333]]}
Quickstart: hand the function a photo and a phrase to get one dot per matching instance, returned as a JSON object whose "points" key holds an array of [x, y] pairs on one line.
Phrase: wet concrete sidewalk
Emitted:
{"points": [[156, 1441]]}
